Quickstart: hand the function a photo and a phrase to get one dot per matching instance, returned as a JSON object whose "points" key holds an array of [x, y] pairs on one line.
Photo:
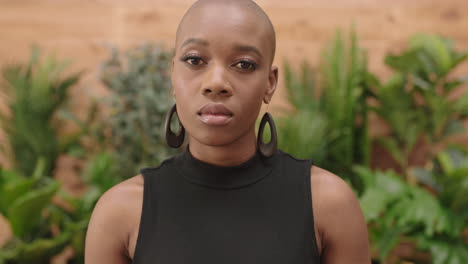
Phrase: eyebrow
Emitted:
{"points": [[195, 41], [247, 48], [237, 47]]}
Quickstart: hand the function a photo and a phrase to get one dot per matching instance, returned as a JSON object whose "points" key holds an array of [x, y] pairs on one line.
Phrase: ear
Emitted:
{"points": [[272, 83]]}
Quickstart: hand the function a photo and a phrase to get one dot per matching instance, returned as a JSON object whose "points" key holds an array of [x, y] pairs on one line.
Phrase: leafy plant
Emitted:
{"points": [[398, 211], [345, 85], [35, 91], [416, 101], [330, 126], [99, 175], [140, 98], [25, 203], [302, 132], [448, 178]]}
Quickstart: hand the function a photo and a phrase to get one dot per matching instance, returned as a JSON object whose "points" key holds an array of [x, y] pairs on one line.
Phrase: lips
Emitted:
{"points": [[215, 114]]}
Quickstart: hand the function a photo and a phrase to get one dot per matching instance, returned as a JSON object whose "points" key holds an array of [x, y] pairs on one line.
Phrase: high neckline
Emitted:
{"points": [[223, 177]]}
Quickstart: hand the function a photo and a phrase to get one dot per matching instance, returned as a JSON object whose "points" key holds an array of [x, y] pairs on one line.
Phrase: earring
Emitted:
{"points": [[267, 149], [172, 139]]}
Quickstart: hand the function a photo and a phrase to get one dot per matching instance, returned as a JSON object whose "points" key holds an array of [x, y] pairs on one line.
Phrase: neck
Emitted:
{"points": [[231, 154]]}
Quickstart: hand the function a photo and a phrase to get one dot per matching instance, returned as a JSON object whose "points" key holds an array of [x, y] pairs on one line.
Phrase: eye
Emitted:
{"points": [[193, 60], [246, 65]]}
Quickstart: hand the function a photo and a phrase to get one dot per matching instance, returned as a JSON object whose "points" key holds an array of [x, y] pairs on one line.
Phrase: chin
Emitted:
{"points": [[215, 139]]}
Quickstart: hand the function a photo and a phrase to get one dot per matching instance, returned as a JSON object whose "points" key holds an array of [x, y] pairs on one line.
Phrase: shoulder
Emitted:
{"points": [[115, 216], [338, 218], [121, 203], [330, 188], [122, 196], [332, 198]]}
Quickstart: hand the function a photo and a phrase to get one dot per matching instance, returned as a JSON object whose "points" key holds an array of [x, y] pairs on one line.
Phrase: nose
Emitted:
{"points": [[215, 84]]}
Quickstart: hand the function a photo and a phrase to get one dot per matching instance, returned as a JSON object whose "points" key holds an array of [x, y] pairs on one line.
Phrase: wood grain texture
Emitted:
{"points": [[83, 30]]}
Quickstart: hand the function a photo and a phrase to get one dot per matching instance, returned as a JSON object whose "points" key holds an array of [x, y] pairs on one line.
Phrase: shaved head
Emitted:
{"points": [[226, 7]]}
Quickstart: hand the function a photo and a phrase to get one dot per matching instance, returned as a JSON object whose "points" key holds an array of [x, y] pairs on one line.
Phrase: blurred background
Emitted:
{"points": [[374, 91]]}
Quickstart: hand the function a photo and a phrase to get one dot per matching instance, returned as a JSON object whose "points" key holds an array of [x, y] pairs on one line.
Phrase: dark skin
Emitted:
{"points": [[227, 60]]}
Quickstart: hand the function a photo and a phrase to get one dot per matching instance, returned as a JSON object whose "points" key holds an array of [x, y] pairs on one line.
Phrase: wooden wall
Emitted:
{"points": [[82, 30]]}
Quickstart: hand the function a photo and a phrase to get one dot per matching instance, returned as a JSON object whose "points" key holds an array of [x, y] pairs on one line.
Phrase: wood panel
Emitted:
{"points": [[83, 30]]}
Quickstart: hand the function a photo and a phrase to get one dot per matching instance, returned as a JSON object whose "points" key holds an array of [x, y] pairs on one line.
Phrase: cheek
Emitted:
{"points": [[251, 98], [184, 83], [253, 90]]}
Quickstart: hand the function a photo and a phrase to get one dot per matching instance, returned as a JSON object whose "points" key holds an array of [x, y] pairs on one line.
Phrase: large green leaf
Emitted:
{"points": [[39, 251], [451, 174], [445, 251], [373, 203], [12, 191], [387, 240], [461, 105], [406, 62], [302, 135], [422, 209], [25, 213], [381, 190], [436, 48]]}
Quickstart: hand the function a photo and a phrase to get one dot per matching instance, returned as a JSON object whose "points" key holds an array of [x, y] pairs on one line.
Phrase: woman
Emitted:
{"points": [[228, 198]]}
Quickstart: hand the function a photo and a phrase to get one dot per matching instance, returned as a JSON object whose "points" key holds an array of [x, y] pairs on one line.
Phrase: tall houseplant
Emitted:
{"points": [[424, 208], [26, 203], [35, 92], [416, 102], [329, 123]]}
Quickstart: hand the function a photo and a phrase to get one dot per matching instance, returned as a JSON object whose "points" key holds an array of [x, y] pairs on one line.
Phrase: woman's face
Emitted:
{"points": [[221, 74]]}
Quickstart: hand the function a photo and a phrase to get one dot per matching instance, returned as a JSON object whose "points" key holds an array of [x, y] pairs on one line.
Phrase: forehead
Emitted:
{"points": [[226, 25]]}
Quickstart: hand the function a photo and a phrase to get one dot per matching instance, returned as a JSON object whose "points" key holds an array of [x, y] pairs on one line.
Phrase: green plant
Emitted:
{"points": [[417, 105], [35, 92], [302, 132], [99, 176], [27, 205], [140, 98], [447, 176], [330, 126], [416, 101], [397, 211], [345, 85]]}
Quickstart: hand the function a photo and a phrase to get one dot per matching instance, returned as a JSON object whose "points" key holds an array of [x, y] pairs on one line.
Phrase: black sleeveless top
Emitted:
{"points": [[259, 212]]}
